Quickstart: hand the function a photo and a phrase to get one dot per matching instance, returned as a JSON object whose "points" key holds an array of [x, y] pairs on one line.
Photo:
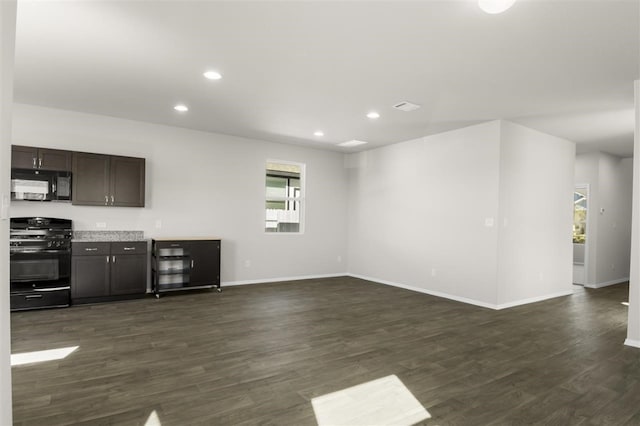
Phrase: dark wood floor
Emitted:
{"points": [[258, 354]]}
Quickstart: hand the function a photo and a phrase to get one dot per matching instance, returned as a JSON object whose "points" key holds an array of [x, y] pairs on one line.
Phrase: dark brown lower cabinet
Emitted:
{"points": [[90, 267], [104, 271]]}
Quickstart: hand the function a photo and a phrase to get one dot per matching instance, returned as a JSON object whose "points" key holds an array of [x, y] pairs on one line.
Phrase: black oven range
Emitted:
{"points": [[40, 262]]}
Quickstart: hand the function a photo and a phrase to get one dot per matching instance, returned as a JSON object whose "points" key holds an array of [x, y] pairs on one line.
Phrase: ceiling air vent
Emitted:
{"points": [[406, 106]]}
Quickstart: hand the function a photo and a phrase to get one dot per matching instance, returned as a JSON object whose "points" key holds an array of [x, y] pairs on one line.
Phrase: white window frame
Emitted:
{"points": [[300, 200]]}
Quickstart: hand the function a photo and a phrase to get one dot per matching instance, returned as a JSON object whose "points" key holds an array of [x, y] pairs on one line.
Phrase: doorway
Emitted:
{"points": [[580, 233]]}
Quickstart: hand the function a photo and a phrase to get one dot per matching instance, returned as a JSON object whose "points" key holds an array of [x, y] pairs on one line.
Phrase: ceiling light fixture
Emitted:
{"points": [[212, 75], [181, 108], [351, 143], [318, 133], [373, 115], [495, 6]]}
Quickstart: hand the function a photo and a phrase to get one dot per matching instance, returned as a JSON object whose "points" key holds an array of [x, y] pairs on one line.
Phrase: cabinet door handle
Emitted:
{"points": [[175, 245], [112, 200], [40, 162], [129, 248], [113, 258], [34, 162], [106, 200], [91, 249], [192, 263], [107, 259]]}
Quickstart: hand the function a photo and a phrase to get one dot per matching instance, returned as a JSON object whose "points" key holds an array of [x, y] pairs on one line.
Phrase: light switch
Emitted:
{"points": [[488, 222]]}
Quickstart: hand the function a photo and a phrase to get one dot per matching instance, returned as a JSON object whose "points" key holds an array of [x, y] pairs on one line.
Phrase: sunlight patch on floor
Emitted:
{"points": [[385, 401], [41, 356], [153, 419]]}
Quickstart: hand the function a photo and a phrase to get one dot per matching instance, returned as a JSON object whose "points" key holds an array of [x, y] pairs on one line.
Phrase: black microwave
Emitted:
{"points": [[40, 185]]}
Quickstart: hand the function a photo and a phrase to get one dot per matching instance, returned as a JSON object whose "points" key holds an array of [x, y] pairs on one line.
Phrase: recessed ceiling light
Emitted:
{"points": [[318, 133], [495, 6], [373, 115], [351, 143], [181, 108], [213, 75]]}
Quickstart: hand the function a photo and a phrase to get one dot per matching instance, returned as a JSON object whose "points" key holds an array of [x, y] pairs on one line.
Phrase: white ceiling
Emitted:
{"points": [[291, 68]]}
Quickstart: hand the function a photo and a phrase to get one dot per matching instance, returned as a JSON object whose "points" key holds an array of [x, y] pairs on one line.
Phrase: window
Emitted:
{"points": [[284, 197]]}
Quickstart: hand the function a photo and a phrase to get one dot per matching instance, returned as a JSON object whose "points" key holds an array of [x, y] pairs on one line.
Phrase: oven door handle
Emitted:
{"points": [[52, 289], [38, 251]]}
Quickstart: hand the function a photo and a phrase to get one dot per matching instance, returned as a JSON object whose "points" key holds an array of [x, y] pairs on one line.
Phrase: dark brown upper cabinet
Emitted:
{"points": [[108, 180], [29, 157]]}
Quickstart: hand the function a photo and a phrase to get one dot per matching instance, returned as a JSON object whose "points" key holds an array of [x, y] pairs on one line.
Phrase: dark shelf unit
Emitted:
{"points": [[185, 264]]}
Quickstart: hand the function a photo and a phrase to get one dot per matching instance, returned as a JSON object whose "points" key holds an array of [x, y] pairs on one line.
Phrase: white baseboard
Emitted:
{"points": [[464, 299], [632, 343], [535, 299], [274, 280], [607, 283], [406, 287], [429, 292]]}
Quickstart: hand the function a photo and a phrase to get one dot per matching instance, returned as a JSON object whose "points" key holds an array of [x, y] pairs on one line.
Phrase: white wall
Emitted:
{"points": [[417, 213], [202, 184], [614, 224], [427, 214], [633, 328], [7, 44], [610, 181], [536, 214]]}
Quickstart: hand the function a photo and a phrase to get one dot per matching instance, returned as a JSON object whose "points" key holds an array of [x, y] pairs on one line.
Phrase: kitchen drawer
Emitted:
{"points": [[90, 249], [171, 244], [131, 247], [38, 299]]}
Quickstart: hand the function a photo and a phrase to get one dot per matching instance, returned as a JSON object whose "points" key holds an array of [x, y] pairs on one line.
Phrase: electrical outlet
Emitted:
{"points": [[158, 224], [101, 225], [433, 272], [247, 264], [339, 259]]}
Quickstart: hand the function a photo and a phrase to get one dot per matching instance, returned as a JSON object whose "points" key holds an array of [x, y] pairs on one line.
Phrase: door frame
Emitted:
{"points": [[587, 188]]}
